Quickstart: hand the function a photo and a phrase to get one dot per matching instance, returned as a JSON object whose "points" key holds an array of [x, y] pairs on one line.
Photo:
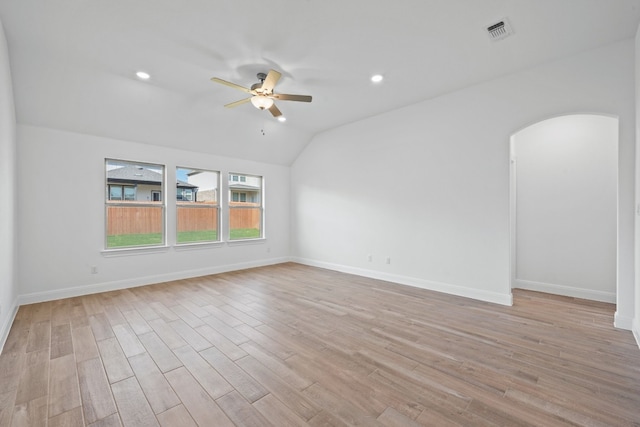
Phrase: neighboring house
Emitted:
{"points": [[207, 183], [136, 183], [186, 192], [245, 189]]}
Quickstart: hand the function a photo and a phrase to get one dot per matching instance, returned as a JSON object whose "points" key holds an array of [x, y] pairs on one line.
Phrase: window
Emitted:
{"points": [[197, 205], [129, 192], [116, 192], [238, 197], [185, 194], [245, 207], [134, 209]]}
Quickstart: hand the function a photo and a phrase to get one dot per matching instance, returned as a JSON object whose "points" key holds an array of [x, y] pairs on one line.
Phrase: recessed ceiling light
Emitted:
{"points": [[282, 119], [377, 78], [142, 75]]}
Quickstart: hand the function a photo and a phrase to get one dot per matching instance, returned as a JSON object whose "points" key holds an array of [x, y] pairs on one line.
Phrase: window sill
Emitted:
{"points": [[197, 245], [241, 242], [134, 251], [118, 252]]}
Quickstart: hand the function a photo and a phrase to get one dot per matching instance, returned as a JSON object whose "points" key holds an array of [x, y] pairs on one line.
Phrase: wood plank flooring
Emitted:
{"points": [[291, 345]]}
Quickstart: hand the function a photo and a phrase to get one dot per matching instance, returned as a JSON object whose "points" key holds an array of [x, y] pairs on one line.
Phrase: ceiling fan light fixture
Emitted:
{"points": [[261, 102]]}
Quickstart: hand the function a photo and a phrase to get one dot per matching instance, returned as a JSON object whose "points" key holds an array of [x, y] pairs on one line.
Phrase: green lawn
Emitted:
{"points": [[245, 233], [126, 240], [197, 236]]}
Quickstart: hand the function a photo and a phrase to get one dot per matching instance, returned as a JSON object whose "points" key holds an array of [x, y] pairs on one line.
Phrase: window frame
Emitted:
{"points": [[236, 178], [192, 203], [108, 202]]}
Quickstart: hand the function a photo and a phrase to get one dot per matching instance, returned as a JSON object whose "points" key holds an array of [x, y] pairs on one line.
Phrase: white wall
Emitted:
{"points": [[8, 277], [636, 321], [566, 205], [354, 188], [62, 235]]}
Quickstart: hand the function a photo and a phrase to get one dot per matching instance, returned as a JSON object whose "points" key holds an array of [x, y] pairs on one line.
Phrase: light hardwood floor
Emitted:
{"points": [[291, 345]]}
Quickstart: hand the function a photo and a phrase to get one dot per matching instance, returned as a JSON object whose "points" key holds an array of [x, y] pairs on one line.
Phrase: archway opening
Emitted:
{"points": [[564, 179]]}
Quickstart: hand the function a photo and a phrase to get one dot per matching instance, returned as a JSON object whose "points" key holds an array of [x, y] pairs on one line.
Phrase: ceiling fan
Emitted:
{"points": [[262, 93]]}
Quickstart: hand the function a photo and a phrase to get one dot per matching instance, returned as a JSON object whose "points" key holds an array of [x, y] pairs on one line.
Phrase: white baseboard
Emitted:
{"points": [[6, 326], [567, 291], [622, 322], [636, 330], [493, 297], [140, 281]]}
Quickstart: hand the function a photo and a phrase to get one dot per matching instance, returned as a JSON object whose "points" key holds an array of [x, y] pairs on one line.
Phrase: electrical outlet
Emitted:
{"points": [[388, 260], [369, 258], [94, 270]]}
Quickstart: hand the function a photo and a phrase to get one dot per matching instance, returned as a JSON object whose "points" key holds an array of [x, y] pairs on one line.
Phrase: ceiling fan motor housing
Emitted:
{"points": [[261, 77]]}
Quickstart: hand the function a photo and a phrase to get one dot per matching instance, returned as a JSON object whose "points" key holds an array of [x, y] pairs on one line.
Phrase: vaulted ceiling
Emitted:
{"points": [[74, 61]]}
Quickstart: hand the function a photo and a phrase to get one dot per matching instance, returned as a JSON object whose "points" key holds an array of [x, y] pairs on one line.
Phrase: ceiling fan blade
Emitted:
{"points": [[274, 111], [287, 97], [235, 104], [270, 82], [233, 85]]}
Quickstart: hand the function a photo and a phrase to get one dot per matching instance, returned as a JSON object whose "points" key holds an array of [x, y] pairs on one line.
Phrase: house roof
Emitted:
{"points": [[237, 186], [183, 184], [133, 173], [73, 63], [140, 175]]}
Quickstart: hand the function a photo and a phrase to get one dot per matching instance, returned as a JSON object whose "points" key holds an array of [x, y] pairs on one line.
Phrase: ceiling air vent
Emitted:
{"points": [[499, 30]]}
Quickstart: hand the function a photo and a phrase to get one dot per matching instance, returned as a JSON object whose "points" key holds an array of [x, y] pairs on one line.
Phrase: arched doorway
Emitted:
{"points": [[564, 206]]}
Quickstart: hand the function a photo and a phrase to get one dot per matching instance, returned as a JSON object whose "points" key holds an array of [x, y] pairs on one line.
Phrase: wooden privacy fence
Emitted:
{"points": [[134, 220], [148, 219], [244, 218], [193, 218]]}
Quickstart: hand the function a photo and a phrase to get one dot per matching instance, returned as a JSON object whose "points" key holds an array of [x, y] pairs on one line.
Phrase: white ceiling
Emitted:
{"points": [[74, 61]]}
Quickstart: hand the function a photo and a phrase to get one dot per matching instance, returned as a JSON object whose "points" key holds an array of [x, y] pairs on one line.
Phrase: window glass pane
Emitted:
{"points": [[197, 205], [129, 193], [115, 192], [245, 207], [135, 217]]}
